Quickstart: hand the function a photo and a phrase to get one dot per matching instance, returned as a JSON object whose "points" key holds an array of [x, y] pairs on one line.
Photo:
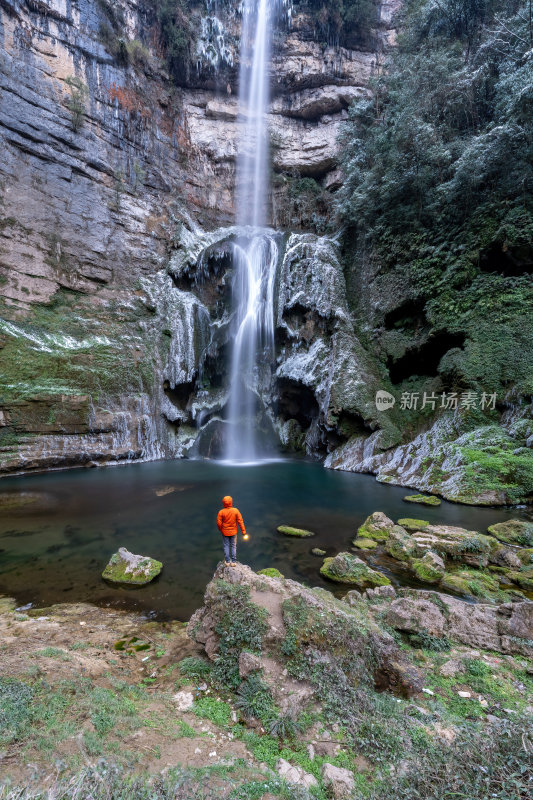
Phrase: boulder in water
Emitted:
{"points": [[299, 532], [514, 531], [365, 544], [130, 569], [429, 569], [377, 526], [346, 568], [400, 545], [423, 499]]}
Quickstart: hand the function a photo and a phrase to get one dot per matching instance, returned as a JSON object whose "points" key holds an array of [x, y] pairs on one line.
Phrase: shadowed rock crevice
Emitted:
{"points": [[425, 359]]}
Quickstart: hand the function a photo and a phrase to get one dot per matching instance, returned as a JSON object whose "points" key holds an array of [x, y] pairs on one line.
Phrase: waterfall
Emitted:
{"points": [[256, 254]]}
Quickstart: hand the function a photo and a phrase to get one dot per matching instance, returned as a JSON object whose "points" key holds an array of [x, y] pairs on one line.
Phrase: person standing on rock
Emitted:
{"points": [[227, 520]]}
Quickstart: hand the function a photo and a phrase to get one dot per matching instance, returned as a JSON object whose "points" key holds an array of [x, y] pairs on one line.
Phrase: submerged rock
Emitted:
{"points": [[514, 531], [346, 568], [377, 526], [132, 570], [300, 532], [316, 551], [365, 544], [423, 499]]}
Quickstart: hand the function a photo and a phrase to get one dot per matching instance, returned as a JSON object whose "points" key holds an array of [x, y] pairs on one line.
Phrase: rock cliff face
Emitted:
{"points": [[101, 152], [117, 193]]}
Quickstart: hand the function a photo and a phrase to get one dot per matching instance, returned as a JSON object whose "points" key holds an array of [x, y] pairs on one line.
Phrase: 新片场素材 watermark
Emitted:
{"points": [[413, 401]]}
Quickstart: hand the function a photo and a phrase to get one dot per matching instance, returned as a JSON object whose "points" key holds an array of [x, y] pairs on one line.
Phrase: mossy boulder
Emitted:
{"points": [[287, 530], [473, 583], [425, 500], [130, 569], [514, 531], [470, 547], [377, 527], [413, 525], [430, 568], [317, 551], [524, 579], [347, 568], [365, 544], [525, 555], [401, 545], [271, 572]]}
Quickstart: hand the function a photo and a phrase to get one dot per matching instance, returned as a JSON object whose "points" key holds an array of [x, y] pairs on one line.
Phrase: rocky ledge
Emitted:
{"points": [[272, 687]]}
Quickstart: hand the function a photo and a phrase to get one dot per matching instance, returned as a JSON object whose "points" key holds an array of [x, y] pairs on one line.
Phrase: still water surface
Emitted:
{"points": [[55, 548]]}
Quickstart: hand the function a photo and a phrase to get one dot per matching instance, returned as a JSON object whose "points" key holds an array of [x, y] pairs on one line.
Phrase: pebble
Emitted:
{"points": [[428, 691], [198, 751], [464, 694]]}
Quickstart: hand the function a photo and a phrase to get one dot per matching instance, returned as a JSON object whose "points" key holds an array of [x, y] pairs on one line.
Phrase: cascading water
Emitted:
{"points": [[255, 256]]}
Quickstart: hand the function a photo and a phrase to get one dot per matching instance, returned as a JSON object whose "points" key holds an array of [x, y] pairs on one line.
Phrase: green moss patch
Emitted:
{"points": [[413, 525], [287, 530], [271, 572], [365, 544], [425, 500]]}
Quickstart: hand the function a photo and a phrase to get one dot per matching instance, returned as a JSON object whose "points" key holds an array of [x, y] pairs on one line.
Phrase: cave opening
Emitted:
{"points": [[410, 314], [425, 359], [296, 401], [509, 263]]}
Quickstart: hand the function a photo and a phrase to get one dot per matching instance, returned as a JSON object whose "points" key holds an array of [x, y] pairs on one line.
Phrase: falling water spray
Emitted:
{"points": [[256, 255]]}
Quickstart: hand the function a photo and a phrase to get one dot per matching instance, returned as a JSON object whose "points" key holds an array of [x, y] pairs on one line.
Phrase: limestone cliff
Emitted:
{"points": [[102, 150]]}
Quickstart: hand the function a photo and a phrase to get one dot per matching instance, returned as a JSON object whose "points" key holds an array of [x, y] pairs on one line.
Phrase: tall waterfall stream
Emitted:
{"points": [[254, 258]]}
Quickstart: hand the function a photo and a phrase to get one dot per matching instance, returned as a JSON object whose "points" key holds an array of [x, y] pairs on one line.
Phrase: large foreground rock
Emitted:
{"points": [[300, 622], [507, 628]]}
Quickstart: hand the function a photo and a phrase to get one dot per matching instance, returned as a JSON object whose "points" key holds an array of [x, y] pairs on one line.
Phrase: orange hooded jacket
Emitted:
{"points": [[228, 518]]}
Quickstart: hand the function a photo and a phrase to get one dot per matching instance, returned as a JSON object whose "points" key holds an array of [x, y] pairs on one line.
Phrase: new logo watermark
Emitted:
{"points": [[384, 400]]}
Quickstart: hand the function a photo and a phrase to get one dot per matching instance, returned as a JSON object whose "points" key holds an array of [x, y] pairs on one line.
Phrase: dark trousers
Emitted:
{"points": [[230, 547]]}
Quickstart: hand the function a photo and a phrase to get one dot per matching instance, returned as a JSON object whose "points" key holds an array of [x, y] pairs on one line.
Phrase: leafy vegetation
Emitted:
{"points": [[76, 100], [342, 22], [439, 167], [176, 34]]}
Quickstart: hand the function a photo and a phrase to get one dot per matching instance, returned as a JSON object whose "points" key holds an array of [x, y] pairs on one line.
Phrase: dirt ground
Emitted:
{"points": [[59, 645]]}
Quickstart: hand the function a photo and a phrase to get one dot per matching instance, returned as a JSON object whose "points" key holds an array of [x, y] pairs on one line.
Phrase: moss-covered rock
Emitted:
{"points": [[473, 583], [346, 568], [317, 551], [430, 568], [525, 555], [514, 531], [365, 544], [377, 526], [287, 530], [271, 572], [423, 499], [470, 547], [413, 525], [401, 545], [524, 579], [132, 570]]}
